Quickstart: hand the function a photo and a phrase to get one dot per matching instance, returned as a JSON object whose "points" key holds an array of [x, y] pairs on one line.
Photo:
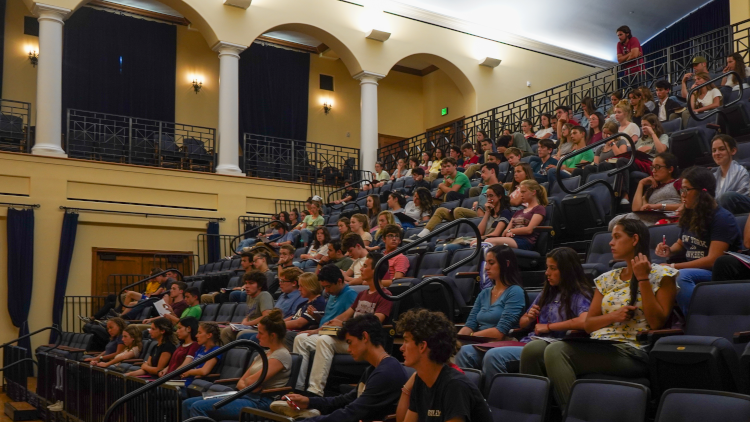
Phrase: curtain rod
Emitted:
{"points": [[144, 214], [11, 205]]}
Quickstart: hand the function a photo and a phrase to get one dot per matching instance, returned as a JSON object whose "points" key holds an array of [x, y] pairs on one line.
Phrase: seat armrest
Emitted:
{"points": [[275, 391], [543, 229], [472, 274], [476, 339], [519, 333], [227, 381], [576, 334], [263, 415], [211, 376], [133, 361], [431, 275], [74, 350], [652, 336], [741, 337]]}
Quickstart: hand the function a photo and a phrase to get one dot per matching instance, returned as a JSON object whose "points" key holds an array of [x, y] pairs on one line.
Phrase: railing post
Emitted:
{"points": [[293, 152], [130, 140], [158, 142], [669, 65]]}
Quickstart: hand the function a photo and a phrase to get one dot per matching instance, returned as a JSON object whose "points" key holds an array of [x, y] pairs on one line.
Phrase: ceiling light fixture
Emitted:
{"points": [[490, 62], [378, 35]]}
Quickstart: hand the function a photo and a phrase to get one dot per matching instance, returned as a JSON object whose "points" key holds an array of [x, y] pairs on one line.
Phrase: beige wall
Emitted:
{"points": [[439, 92], [52, 182], [19, 77], [401, 103], [739, 10], [196, 60]]}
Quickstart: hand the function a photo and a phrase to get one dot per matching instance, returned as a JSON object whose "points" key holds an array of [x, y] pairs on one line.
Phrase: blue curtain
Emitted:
{"points": [[119, 64], [20, 269], [214, 243], [709, 17], [2, 41], [64, 258], [273, 92]]}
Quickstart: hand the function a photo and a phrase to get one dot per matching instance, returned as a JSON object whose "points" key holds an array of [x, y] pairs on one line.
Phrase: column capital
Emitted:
{"points": [[49, 12], [367, 77], [228, 48]]}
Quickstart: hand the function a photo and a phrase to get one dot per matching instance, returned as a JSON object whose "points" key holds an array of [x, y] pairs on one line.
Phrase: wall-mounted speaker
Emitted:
{"points": [[326, 82], [30, 26]]}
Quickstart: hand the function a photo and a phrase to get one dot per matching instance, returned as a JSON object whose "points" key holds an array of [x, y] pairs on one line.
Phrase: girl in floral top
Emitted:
{"points": [[627, 300]]}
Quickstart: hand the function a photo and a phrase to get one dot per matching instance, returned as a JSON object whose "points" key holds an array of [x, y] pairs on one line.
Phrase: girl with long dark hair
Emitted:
{"points": [[545, 127], [162, 333], [732, 178], [735, 62], [562, 305], [707, 231], [626, 301], [596, 125]]}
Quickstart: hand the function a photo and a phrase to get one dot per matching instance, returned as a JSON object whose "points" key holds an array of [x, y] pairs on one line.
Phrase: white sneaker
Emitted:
{"points": [[282, 408], [57, 407], [624, 201]]}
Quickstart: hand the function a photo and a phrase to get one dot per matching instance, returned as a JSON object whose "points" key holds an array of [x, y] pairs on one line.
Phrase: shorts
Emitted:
{"points": [[524, 243]]}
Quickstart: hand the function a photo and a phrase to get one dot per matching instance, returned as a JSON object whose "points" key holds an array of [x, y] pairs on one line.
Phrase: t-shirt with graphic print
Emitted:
{"points": [[616, 294], [368, 302], [722, 228], [554, 311]]}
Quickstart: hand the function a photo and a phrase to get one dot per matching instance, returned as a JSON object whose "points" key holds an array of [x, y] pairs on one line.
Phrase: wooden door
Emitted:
{"points": [[116, 268]]}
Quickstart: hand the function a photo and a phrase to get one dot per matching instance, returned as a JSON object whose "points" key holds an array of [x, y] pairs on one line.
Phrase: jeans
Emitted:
{"points": [[246, 244], [228, 335], [324, 347], [450, 247], [687, 280], [734, 202], [238, 296], [495, 361], [306, 264], [196, 406], [552, 176], [135, 312], [248, 335], [454, 196], [728, 268], [444, 214]]}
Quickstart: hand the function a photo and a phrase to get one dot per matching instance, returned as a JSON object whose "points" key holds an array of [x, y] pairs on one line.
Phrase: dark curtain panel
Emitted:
{"points": [[119, 65], [273, 92], [709, 17], [20, 269], [2, 41], [64, 258], [214, 243]]}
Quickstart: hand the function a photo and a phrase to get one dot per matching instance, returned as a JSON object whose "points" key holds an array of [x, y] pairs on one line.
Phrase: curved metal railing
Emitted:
{"points": [[234, 239], [719, 110], [51, 327], [119, 295]]}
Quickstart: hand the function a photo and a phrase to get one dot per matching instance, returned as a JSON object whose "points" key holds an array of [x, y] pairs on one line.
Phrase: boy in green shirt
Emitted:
{"points": [[455, 184], [192, 297], [578, 135]]}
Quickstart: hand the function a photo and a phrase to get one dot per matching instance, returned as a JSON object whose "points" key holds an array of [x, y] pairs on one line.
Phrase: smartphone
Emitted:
{"points": [[291, 403]]}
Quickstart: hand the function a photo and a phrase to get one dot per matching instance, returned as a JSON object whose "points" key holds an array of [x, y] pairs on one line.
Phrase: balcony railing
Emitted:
{"points": [[131, 140], [670, 63], [14, 126], [299, 161]]}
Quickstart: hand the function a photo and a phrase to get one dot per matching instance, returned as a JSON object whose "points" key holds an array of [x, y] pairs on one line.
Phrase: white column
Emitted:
{"points": [[49, 81], [229, 108], [368, 149]]}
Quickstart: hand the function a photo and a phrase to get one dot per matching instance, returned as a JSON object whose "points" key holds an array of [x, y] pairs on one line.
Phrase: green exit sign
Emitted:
{"points": [[444, 111]]}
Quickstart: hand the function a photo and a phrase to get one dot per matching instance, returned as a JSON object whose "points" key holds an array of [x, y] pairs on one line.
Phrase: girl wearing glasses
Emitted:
{"points": [[659, 193], [732, 179], [707, 231]]}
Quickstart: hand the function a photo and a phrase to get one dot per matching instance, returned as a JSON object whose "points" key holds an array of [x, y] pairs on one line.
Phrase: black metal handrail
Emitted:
{"points": [[234, 239], [20, 361], [428, 280], [51, 327], [717, 110], [172, 375], [609, 173], [119, 295]]}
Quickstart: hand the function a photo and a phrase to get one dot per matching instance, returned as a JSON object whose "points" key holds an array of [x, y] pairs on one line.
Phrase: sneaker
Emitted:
{"points": [[112, 314], [87, 320], [57, 407], [282, 408], [624, 201]]}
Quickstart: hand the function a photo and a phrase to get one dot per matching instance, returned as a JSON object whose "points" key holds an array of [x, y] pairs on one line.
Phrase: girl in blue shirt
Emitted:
{"points": [[497, 309], [209, 339]]}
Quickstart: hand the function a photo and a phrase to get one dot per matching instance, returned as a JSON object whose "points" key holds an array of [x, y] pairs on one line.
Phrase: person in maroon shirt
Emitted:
{"points": [[628, 48], [470, 157]]}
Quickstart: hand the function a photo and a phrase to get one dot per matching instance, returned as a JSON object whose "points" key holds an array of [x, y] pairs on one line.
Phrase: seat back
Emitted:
{"points": [[240, 311], [148, 346], [432, 263], [465, 285], [334, 232], [657, 234], [719, 309], [475, 376], [690, 145], [671, 126], [605, 400], [235, 281], [235, 362], [413, 264], [683, 405], [528, 403], [294, 374], [226, 311], [599, 250], [209, 313]]}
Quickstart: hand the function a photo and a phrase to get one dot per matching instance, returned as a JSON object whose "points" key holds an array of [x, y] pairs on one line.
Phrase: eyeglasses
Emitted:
{"points": [[684, 190], [657, 167], [392, 236]]}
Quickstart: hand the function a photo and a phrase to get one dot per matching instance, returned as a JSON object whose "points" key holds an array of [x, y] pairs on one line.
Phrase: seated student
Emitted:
{"points": [[289, 302], [562, 305], [615, 315], [455, 152], [455, 184], [360, 225], [398, 266], [162, 333], [565, 142], [707, 231], [384, 218], [293, 217], [379, 387], [176, 305], [614, 99], [286, 259], [379, 177], [208, 339], [343, 225], [341, 298], [705, 99], [504, 142], [603, 154], [544, 150], [735, 62], [271, 331], [439, 392], [115, 327], [637, 105], [496, 310], [596, 124], [545, 130], [434, 171], [665, 106], [155, 289], [489, 176], [648, 98], [271, 234], [659, 193], [578, 135], [564, 116], [308, 313], [470, 160], [373, 209], [400, 171], [494, 221], [421, 208], [186, 331], [521, 172], [587, 109], [426, 163], [132, 340], [728, 268], [419, 182], [520, 233], [286, 237], [413, 163], [192, 298], [336, 256], [654, 140], [260, 264], [396, 203], [513, 156], [349, 195], [355, 247], [259, 304], [732, 179], [311, 222], [318, 249], [519, 139]]}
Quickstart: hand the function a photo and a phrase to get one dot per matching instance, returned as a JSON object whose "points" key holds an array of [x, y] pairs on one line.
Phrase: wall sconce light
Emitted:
{"points": [[490, 62], [33, 57], [327, 107], [377, 35], [197, 85]]}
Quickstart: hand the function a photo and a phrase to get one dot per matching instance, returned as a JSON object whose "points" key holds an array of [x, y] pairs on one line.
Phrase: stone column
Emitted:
{"points": [[228, 139], [369, 125]]}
